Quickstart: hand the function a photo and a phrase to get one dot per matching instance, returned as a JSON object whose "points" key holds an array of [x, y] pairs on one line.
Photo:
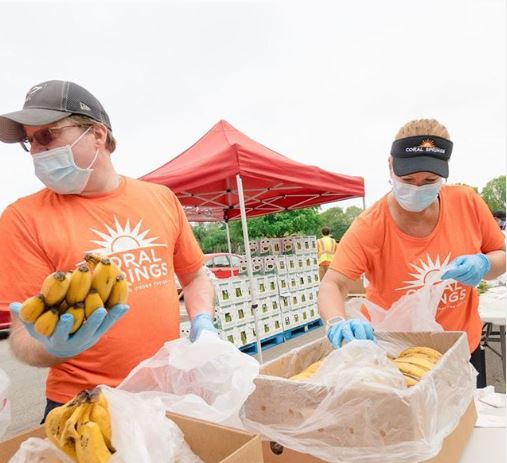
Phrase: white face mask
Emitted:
{"points": [[58, 171], [415, 198]]}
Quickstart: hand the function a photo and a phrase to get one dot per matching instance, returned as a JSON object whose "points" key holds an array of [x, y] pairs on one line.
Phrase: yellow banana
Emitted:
{"points": [[119, 291], [92, 260], [46, 323], [307, 372], [412, 370], [434, 354], [80, 284], [78, 312], [55, 287], [103, 278], [32, 308], [100, 415], [92, 302], [410, 380], [424, 363], [90, 445], [69, 431]]}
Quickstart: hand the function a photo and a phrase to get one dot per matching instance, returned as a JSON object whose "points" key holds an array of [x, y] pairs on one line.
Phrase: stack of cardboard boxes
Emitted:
{"points": [[286, 283]]}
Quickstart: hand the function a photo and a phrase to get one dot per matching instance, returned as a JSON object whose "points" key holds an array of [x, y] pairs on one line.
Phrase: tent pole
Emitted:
{"points": [[364, 203], [229, 245], [253, 291]]}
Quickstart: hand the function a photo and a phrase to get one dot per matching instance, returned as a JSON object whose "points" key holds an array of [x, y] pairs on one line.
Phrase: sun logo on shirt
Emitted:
{"points": [[428, 143], [123, 238], [427, 273]]}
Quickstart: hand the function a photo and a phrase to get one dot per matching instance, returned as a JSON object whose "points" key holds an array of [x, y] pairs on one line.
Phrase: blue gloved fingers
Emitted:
{"points": [[202, 321], [62, 330], [335, 336], [15, 308], [369, 331], [357, 329], [347, 333], [88, 329], [113, 315]]}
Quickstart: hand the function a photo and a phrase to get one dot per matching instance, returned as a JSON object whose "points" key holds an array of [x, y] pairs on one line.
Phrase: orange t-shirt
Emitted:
{"points": [[142, 227], [396, 264]]}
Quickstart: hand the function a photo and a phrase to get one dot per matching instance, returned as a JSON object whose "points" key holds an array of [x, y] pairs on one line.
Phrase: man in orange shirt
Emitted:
{"points": [[88, 207], [410, 236]]}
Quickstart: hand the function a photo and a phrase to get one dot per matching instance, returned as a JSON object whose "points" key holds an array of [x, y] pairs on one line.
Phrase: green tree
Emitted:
{"points": [[338, 220], [494, 193]]}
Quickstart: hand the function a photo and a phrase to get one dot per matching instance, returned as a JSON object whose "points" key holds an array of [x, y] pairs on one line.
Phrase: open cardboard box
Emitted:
{"points": [[280, 401], [211, 442]]}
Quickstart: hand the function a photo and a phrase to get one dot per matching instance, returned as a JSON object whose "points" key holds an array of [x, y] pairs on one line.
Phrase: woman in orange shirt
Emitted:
{"points": [[410, 236]]}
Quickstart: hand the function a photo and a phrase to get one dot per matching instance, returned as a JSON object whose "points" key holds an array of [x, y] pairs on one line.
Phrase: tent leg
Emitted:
{"points": [[249, 264], [229, 245], [364, 203]]}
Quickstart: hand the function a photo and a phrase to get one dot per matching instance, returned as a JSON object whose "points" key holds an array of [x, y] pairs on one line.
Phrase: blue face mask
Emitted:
{"points": [[415, 198], [58, 171]]}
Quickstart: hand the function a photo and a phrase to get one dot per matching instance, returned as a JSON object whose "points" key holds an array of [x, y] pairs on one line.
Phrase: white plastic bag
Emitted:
{"points": [[412, 312], [5, 406], [209, 379], [141, 433]]}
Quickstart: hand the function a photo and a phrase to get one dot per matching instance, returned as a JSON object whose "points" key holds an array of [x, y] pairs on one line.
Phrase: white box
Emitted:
{"points": [[293, 282], [227, 317], [287, 245], [298, 243], [312, 243], [185, 329], [275, 305], [308, 262], [264, 307], [276, 324], [296, 318], [309, 279], [285, 304], [283, 284], [243, 312], [238, 290], [223, 291], [272, 285], [303, 312], [276, 246], [243, 266], [300, 263], [265, 327], [261, 286], [281, 264], [287, 320], [303, 299], [269, 264], [295, 302], [254, 247], [292, 264], [264, 246], [302, 281], [257, 264], [231, 335]]}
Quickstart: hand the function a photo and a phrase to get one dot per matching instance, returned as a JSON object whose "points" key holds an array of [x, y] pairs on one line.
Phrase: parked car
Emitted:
{"points": [[220, 264], [5, 320]]}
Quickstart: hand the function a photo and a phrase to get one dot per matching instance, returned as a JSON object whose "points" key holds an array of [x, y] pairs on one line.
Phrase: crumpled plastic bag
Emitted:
{"points": [[5, 406], [412, 312], [141, 433], [209, 379]]}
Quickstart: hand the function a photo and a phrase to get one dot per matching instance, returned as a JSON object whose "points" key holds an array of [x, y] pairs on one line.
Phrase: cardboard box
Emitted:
{"points": [[211, 442], [450, 382], [451, 451]]}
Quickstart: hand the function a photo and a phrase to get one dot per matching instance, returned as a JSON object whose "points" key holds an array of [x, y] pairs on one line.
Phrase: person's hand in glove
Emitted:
{"points": [[341, 330], [65, 345], [201, 322], [469, 269]]}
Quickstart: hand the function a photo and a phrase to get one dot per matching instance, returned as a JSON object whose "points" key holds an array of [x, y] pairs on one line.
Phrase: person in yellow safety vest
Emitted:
{"points": [[326, 247]]}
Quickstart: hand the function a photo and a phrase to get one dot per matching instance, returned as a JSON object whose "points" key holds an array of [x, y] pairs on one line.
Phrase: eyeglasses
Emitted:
{"points": [[44, 136]]}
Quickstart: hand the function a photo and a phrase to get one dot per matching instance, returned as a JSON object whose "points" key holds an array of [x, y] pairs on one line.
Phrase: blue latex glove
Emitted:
{"points": [[64, 345], [348, 330], [469, 269], [201, 322]]}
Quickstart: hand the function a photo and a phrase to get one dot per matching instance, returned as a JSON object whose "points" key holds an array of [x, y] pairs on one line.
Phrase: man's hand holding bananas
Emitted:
{"points": [[62, 343]]}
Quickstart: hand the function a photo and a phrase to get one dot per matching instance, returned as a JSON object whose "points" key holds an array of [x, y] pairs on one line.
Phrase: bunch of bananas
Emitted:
{"points": [[82, 428], [415, 362], [98, 283]]}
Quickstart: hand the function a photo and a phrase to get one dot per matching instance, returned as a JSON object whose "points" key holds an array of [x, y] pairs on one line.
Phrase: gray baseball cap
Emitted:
{"points": [[50, 102]]}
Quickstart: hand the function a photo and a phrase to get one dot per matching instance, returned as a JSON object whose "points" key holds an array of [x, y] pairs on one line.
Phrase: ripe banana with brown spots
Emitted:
{"points": [[90, 444], [78, 312], [54, 288], [92, 302], [80, 284], [46, 323], [104, 278], [32, 308], [119, 291]]}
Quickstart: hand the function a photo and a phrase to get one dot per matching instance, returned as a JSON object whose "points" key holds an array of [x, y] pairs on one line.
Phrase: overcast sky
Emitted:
{"points": [[324, 83]]}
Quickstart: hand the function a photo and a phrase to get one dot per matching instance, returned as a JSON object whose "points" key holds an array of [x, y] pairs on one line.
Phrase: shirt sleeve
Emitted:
{"points": [[24, 264], [351, 256], [188, 256]]}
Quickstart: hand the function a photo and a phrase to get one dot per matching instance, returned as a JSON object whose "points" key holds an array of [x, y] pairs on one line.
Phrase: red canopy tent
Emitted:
{"points": [[204, 177], [226, 175]]}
